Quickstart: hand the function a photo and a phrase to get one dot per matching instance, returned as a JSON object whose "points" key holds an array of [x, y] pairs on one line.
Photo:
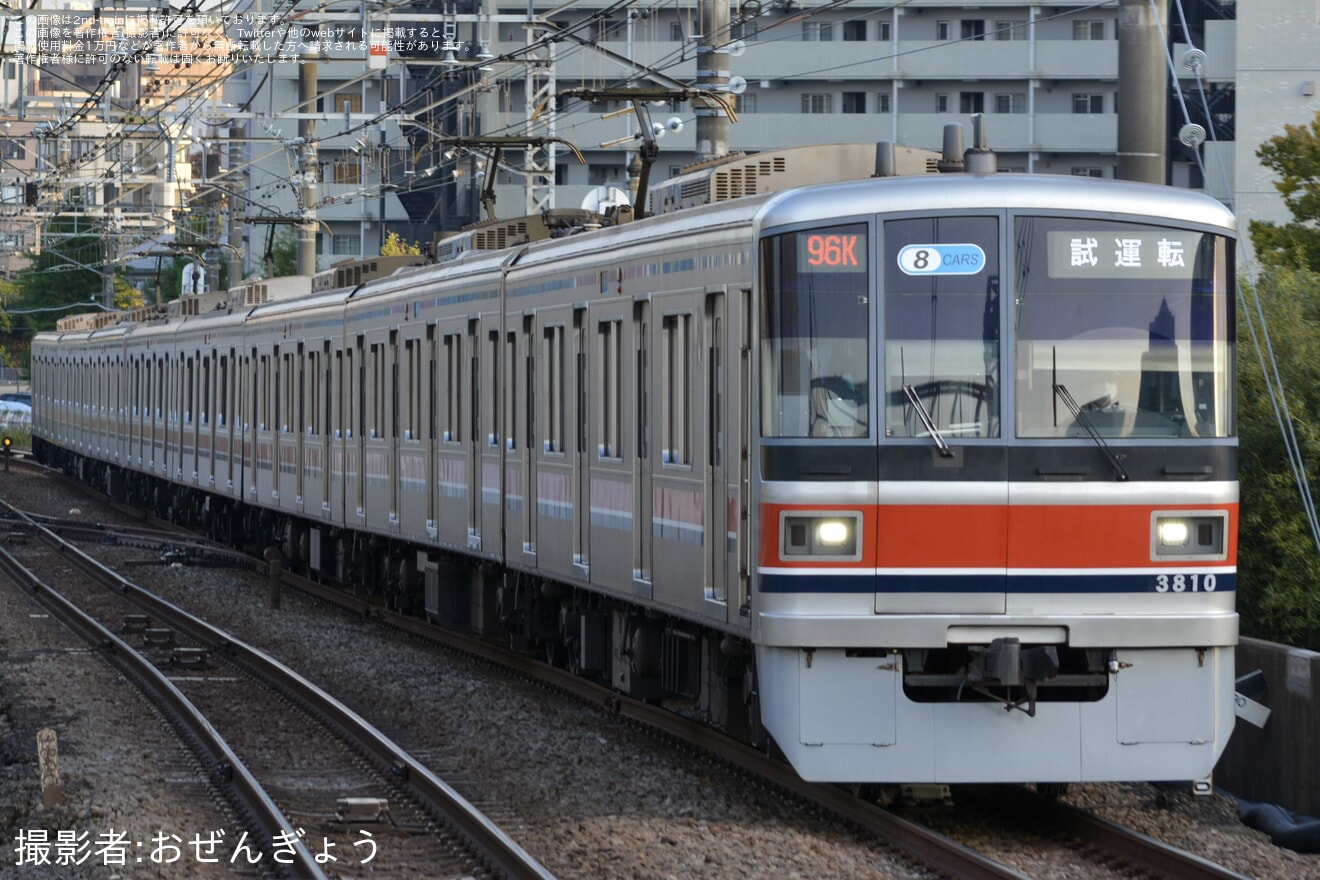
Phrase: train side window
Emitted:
{"points": [[554, 388], [222, 399], [493, 347], [675, 390], [311, 419], [433, 391], [609, 420], [453, 414], [376, 400], [412, 388], [511, 389]]}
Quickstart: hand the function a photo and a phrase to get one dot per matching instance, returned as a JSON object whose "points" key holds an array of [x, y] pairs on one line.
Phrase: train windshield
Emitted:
{"points": [[1122, 329], [815, 330], [942, 327]]}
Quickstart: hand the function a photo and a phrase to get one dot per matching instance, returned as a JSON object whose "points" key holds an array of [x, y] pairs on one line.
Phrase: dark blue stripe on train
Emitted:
{"points": [[1164, 582]]}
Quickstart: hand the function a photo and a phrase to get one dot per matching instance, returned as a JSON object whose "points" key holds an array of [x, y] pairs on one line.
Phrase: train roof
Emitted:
{"points": [[972, 192]]}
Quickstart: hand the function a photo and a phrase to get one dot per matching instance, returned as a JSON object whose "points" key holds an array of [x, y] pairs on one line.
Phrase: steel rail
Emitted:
{"points": [[504, 854], [931, 848], [1155, 856], [226, 769]]}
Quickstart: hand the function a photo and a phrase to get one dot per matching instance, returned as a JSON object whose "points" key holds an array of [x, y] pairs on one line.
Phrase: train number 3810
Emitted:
{"points": [[1184, 583]]}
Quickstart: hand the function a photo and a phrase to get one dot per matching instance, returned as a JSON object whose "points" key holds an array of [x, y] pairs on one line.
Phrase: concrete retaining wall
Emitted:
{"points": [[1279, 764]]}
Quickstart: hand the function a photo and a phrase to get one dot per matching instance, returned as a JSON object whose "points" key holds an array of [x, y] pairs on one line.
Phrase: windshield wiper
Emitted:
{"points": [[1082, 419], [927, 422]]}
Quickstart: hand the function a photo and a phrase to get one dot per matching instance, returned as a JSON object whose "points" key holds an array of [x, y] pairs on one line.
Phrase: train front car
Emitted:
{"points": [[998, 498]]}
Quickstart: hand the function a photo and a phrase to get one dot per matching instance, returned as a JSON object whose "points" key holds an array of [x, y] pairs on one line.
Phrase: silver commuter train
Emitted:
{"points": [[927, 478]]}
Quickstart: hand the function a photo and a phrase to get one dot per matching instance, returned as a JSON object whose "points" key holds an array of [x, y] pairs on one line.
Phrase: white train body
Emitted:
{"points": [[927, 479]]}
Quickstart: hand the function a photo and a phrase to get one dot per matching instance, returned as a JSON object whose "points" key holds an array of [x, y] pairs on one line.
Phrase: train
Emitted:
{"points": [[912, 472]]}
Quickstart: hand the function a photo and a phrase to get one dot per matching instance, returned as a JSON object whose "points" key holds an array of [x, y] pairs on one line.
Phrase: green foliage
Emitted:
{"points": [[285, 255], [395, 246], [126, 295], [66, 273], [1278, 563], [1295, 157]]}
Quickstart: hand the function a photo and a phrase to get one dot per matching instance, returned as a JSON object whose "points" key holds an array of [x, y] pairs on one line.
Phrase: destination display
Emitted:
{"points": [[834, 250], [1127, 252]]}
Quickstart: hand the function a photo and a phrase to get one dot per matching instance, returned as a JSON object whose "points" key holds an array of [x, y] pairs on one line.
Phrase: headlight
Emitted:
{"points": [[1173, 533], [1188, 535], [826, 535], [830, 532]]}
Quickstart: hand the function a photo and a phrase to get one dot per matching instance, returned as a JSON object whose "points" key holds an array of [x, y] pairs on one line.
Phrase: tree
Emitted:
{"points": [[1278, 563], [283, 255], [126, 295], [394, 246], [65, 273], [1295, 157]]}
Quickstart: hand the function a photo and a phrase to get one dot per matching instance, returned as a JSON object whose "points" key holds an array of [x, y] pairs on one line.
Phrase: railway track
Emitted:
{"points": [[286, 753], [1111, 854]]}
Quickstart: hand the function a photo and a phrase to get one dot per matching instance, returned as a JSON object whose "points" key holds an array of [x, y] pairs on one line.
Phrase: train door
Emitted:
{"points": [[299, 379], [474, 437], [550, 492], [490, 445], [355, 449], [677, 450], [411, 445], [721, 497], [739, 443], [942, 458], [514, 441], [581, 499], [392, 404], [608, 485], [643, 539], [431, 410], [325, 426]]}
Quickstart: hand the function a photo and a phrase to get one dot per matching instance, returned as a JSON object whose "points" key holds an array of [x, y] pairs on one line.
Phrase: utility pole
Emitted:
{"points": [[1143, 89], [712, 139], [234, 185], [307, 226]]}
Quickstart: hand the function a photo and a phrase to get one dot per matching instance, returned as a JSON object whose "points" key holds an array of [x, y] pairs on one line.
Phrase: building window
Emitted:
{"points": [[346, 245], [942, 30], [745, 103], [882, 104], [1087, 171], [971, 102], [854, 102], [1010, 30], [676, 32], [599, 174], [854, 31], [1088, 30], [973, 29], [745, 31], [348, 171], [1088, 103], [882, 31], [14, 150], [817, 103], [818, 31], [942, 102], [349, 102], [1011, 102]]}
